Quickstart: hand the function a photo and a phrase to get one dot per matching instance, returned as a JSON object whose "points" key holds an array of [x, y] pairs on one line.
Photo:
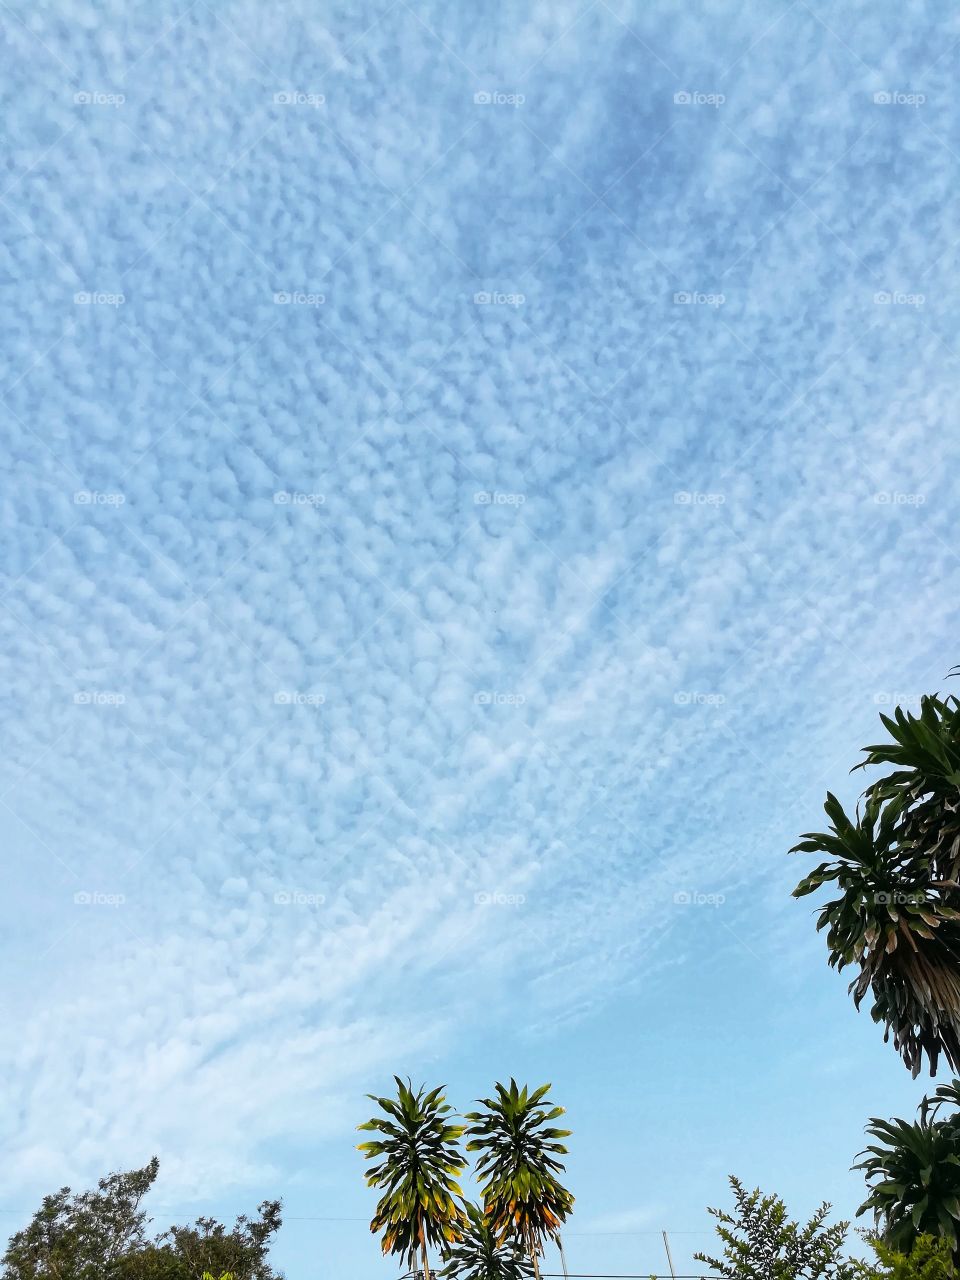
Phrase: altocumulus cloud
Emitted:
{"points": [[456, 469]]}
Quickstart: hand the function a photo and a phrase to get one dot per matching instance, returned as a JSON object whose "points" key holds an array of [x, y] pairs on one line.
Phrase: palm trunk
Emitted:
{"points": [[533, 1256], [426, 1263]]}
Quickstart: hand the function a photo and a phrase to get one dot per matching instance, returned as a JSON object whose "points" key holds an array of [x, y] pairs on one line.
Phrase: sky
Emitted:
{"points": [[473, 475]]}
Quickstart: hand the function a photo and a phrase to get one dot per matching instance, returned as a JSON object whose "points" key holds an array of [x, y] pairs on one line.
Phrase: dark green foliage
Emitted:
{"points": [[85, 1236], [522, 1195], [478, 1255], [896, 866], [102, 1235], [187, 1253], [419, 1162], [760, 1242], [913, 1174]]}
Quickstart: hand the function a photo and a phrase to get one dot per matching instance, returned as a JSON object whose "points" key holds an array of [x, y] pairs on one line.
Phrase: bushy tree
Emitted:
{"points": [[209, 1248], [83, 1236], [927, 1259], [760, 1242], [102, 1235]]}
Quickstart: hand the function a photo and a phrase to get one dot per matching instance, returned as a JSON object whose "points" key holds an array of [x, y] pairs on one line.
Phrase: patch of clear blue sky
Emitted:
{"points": [[380, 665]]}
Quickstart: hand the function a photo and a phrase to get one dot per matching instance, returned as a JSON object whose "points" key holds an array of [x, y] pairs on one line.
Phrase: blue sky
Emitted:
{"points": [[474, 473]]}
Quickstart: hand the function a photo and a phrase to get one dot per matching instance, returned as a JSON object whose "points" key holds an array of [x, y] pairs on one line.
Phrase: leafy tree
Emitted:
{"points": [[208, 1248], [523, 1197], [102, 1235], [913, 1175], [83, 1236], [761, 1243], [479, 1255], [419, 1164], [928, 1259], [896, 865]]}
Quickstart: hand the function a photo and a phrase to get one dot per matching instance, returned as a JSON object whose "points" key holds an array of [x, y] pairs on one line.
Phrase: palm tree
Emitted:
{"points": [[479, 1256], [913, 1175], [419, 1164], [896, 865], [523, 1199], [926, 782]]}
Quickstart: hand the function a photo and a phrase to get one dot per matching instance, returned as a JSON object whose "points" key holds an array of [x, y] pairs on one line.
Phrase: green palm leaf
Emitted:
{"points": [[896, 865], [419, 1165], [524, 1201]]}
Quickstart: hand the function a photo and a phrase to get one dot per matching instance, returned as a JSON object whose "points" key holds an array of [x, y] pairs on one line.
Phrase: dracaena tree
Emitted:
{"points": [[418, 1166], [913, 1174], [517, 1167], [895, 865], [480, 1256]]}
